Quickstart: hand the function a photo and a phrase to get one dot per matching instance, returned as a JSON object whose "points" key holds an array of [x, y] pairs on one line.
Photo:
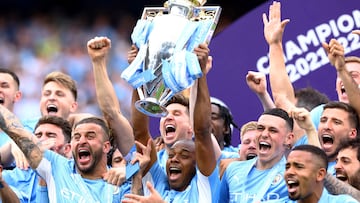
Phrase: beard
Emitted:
{"points": [[96, 157], [354, 180]]}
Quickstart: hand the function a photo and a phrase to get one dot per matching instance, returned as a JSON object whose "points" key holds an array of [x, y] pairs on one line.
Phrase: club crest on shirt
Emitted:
{"points": [[277, 179]]}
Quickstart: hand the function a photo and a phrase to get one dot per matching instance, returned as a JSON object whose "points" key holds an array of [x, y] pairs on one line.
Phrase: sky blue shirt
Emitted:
{"points": [[331, 168], [315, 114], [326, 197], [242, 182], [301, 141], [66, 185], [230, 149], [162, 157], [329, 198], [29, 124], [229, 153], [42, 194], [25, 181], [201, 188], [4, 138]]}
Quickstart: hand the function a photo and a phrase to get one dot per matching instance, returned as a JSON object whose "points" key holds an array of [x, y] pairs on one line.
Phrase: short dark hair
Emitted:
{"points": [[226, 115], [109, 156], [178, 98], [316, 152], [353, 116], [112, 148], [12, 74], [181, 99], [59, 122], [282, 114], [310, 98], [98, 121], [351, 144]]}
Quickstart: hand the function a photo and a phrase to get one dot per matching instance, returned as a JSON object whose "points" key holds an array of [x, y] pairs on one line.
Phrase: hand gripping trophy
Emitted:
{"points": [[166, 64]]}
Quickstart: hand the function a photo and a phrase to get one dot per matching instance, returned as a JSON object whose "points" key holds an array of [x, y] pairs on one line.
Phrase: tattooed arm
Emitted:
{"points": [[336, 186], [11, 125]]}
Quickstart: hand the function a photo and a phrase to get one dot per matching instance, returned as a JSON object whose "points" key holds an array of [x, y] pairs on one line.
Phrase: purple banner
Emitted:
{"points": [[242, 47]]}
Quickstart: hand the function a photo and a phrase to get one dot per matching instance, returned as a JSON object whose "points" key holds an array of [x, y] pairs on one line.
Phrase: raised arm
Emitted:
{"points": [[336, 57], [98, 49], [303, 119], [22, 137], [143, 158], [205, 155], [257, 83], [140, 123], [281, 87]]}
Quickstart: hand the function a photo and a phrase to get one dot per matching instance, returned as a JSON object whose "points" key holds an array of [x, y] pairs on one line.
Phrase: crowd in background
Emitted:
{"points": [[279, 159], [36, 45]]}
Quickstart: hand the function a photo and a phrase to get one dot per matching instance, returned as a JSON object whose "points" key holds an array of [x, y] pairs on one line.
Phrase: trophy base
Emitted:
{"points": [[150, 108]]}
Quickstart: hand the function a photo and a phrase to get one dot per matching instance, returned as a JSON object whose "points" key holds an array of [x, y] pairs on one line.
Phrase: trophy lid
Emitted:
{"points": [[192, 2], [198, 2]]}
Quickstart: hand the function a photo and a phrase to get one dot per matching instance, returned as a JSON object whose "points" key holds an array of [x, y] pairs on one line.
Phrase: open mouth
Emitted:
{"points": [[341, 176], [174, 174], [52, 109], [169, 129], [292, 185], [174, 170], [1, 100], [327, 139], [84, 155], [342, 89], [250, 156], [264, 146]]}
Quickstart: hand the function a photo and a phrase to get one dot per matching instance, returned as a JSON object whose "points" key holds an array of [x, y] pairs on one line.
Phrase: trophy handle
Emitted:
{"points": [[151, 107], [154, 90]]}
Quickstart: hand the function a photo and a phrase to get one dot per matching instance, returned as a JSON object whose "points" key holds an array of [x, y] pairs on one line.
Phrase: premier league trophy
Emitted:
{"points": [[165, 64]]}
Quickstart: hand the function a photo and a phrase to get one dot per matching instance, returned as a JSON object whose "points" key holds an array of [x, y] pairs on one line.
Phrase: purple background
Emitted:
{"points": [[237, 49]]}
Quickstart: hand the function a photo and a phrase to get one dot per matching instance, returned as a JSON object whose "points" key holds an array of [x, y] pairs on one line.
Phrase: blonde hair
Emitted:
{"points": [[249, 126]]}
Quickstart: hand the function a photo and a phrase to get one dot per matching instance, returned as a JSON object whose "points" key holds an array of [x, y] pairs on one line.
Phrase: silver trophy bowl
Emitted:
{"points": [[168, 26]]}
